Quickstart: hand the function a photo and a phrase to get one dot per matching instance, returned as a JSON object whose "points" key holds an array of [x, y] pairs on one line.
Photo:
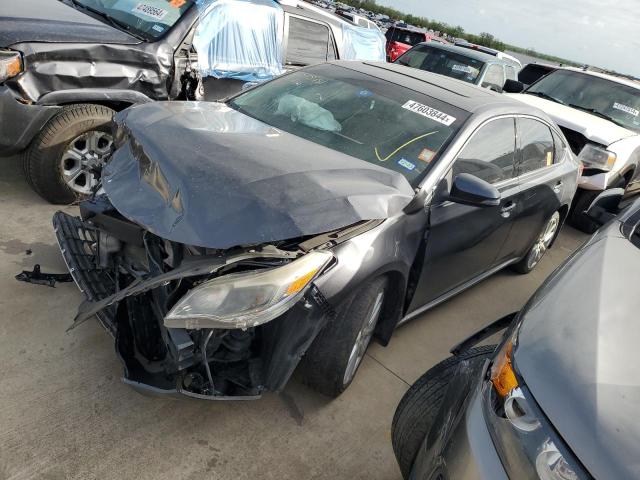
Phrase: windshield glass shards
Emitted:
{"points": [[358, 115], [149, 19], [604, 98]]}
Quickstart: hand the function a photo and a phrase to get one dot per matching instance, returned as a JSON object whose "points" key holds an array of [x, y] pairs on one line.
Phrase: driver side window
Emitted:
{"points": [[490, 153]]}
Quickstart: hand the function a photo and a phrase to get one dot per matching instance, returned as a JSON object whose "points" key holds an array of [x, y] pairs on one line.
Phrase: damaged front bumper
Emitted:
{"points": [[20, 122], [213, 364]]}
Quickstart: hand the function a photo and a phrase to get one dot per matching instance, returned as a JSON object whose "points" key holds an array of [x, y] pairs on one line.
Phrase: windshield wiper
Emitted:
{"points": [[545, 96], [112, 21], [595, 112]]}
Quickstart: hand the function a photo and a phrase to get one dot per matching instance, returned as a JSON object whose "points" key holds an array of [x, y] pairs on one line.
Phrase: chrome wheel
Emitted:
{"points": [[363, 339], [84, 154], [544, 240]]}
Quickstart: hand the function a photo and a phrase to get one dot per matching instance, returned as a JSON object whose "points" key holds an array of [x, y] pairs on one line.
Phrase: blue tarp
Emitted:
{"points": [[362, 44], [240, 39]]}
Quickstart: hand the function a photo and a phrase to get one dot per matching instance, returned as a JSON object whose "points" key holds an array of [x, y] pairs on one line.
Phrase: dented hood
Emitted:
{"points": [[204, 174], [53, 21]]}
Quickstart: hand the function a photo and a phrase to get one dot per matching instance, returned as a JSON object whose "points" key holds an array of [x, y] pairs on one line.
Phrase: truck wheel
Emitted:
{"points": [[540, 247], [420, 405], [577, 219], [61, 161], [331, 362]]}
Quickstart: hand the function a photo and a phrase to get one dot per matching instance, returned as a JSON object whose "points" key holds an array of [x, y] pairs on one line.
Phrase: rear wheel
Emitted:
{"points": [[333, 359], [420, 405], [541, 245], [62, 161]]}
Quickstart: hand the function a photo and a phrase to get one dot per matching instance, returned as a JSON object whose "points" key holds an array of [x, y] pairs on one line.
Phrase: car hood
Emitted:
{"points": [[578, 353], [594, 128], [53, 21], [204, 174]]}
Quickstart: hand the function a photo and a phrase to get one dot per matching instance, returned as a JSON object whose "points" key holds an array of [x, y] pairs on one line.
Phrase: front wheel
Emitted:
{"points": [[577, 218], [419, 407], [541, 245], [331, 362], [62, 162]]}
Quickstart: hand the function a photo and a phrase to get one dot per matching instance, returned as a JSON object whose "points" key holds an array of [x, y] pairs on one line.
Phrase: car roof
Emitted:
{"points": [[469, 52], [454, 92]]}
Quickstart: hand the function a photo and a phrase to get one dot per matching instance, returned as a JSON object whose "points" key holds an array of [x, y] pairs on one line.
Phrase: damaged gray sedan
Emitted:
{"points": [[234, 242]]}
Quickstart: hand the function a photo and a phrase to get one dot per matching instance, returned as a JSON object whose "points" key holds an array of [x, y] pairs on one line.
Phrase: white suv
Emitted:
{"points": [[600, 116]]}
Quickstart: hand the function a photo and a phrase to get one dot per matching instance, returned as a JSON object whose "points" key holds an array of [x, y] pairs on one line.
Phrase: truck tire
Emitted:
{"points": [[72, 143], [331, 362], [577, 219], [421, 403]]}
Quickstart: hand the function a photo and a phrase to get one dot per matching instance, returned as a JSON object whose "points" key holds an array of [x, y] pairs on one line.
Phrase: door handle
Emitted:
{"points": [[506, 210], [558, 186]]}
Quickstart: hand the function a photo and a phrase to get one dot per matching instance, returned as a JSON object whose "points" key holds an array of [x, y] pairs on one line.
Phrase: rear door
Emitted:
{"points": [[464, 241], [539, 163]]}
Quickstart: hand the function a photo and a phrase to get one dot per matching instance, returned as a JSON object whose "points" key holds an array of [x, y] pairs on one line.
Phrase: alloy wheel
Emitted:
{"points": [[544, 240], [363, 339], [84, 155]]}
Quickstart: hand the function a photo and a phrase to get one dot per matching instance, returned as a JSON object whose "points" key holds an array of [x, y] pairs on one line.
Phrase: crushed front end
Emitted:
{"points": [[206, 323]]}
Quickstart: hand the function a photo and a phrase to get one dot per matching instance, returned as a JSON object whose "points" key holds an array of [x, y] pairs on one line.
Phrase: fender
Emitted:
{"points": [[84, 95]]}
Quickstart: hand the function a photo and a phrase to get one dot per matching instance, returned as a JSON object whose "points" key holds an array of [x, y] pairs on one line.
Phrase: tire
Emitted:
{"points": [[42, 161], [540, 246], [420, 405], [326, 363], [577, 219]]}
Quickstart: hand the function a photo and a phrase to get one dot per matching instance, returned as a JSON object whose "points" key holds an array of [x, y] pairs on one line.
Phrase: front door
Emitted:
{"points": [[463, 241]]}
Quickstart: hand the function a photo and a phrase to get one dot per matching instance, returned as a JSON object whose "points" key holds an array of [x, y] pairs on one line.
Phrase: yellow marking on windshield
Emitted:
{"points": [[402, 146]]}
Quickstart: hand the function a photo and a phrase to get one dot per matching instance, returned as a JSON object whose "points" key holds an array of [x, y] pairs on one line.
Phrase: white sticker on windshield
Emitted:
{"points": [[150, 11], [429, 112], [461, 68], [626, 108]]}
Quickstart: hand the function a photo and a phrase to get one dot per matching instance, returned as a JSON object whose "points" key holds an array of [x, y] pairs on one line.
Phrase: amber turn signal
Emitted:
{"points": [[503, 377]]}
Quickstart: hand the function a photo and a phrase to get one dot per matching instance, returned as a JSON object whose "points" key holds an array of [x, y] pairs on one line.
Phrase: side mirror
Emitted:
{"points": [[513, 86], [605, 207], [468, 189]]}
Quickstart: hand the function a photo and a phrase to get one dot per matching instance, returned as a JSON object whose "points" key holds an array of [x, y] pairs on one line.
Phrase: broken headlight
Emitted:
{"points": [[247, 299], [10, 64], [596, 156], [526, 442]]}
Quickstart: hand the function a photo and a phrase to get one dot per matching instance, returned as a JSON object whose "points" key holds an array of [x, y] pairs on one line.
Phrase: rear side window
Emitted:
{"points": [[308, 43], [494, 76], [560, 148], [490, 154], [511, 72], [536, 145]]}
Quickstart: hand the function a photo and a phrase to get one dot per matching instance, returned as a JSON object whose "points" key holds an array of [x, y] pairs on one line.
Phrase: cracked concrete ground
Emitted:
{"points": [[64, 414]]}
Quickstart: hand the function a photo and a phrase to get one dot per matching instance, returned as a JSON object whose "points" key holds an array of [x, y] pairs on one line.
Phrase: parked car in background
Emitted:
{"points": [[491, 51], [247, 243], [402, 38], [600, 116], [61, 85], [558, 399], [357, 19], [532, 72], [470, 66]]}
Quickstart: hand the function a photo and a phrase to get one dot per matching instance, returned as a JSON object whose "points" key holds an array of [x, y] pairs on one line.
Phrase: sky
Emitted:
{"points": [[602, 33]]}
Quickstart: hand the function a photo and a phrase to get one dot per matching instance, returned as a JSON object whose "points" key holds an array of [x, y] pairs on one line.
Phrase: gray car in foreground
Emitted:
{"points": [[559, 398], [304, 217]]}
